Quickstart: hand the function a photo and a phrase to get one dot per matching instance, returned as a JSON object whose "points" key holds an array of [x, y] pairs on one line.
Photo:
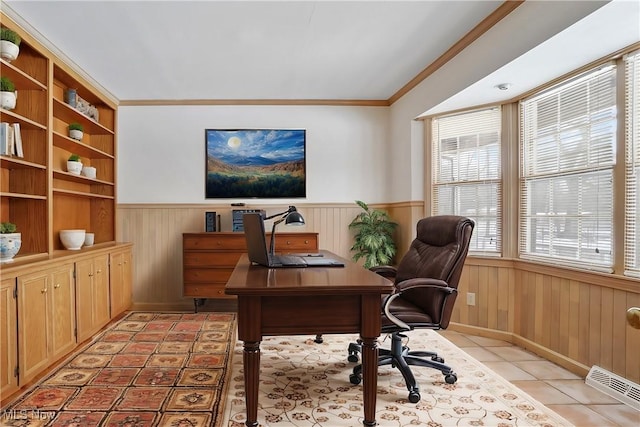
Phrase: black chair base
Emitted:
{"points": [[399, 356]]}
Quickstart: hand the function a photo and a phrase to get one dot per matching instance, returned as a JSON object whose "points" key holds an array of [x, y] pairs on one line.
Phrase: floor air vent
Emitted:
{"points": [[615, 386]]}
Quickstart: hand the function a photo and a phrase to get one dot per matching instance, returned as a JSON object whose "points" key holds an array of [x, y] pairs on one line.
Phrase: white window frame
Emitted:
{"points": [[567, 148], [632, 164], [467, 168]]}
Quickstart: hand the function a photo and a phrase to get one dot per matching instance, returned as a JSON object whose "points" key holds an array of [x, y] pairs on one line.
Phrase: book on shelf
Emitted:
{"points": [[18, 140], [4, 139]]}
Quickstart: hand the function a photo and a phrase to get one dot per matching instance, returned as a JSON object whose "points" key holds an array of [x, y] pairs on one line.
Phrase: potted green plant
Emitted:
{"points": [[10, 241], [9, 44], [74, 164], [374, 237], [76, 131], [7, 93]]}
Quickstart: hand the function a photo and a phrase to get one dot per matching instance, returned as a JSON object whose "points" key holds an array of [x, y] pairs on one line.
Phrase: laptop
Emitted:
{"points": [[255, 236]]}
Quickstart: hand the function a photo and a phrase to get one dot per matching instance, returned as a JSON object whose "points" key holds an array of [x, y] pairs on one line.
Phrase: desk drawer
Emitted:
{"points": [[222, 242], [207, 275], [205, 291], [207, 259]]}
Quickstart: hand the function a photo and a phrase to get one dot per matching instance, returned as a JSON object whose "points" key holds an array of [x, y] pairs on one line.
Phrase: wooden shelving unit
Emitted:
{"points": [[89, 286], [36, 191]]}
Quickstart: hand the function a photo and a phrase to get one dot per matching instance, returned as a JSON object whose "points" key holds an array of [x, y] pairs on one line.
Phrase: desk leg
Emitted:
{"points": [[251, 360], [369, 379]]}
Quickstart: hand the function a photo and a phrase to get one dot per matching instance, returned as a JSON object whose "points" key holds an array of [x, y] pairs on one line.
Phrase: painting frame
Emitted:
{"points": [[258, 163]]}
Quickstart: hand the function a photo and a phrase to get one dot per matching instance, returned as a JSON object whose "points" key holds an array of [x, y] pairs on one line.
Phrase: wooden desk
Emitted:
{"points": [[300, 301]]}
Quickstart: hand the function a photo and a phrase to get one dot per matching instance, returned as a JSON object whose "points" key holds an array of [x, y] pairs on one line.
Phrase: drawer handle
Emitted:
{"points": [[288, 242], [306, 242]]}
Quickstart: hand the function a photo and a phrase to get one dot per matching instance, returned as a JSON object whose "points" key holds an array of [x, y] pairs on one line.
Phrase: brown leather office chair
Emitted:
{"points": [[426, 282]]}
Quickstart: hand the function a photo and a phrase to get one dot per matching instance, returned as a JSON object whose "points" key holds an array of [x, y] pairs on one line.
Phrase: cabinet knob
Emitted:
{"points": [[306, 242], [42, 291], [90, 274], [99, 271], [288, 242], [56, 286]]}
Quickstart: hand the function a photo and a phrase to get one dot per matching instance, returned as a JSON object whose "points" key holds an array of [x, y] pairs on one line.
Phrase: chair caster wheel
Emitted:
{"points": [[414, 397], [437, 359], [451, 378], [352, 358], [355, 379]]}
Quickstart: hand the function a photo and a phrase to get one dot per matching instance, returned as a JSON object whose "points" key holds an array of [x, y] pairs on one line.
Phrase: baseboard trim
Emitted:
{"points": [[552, 356], [161, 306], [481, 332]]}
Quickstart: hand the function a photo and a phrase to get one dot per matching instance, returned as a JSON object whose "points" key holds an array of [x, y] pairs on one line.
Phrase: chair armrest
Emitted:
{"points": [[405, 285], [437, 284], [385, 271]]}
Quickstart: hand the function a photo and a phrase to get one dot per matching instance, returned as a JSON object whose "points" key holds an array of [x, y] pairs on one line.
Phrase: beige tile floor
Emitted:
{"points": [[560, 390]]}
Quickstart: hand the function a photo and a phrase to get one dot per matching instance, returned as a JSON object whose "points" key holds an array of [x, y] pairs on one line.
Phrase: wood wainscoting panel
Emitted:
{"points": [[156, 232], [576, 320]]}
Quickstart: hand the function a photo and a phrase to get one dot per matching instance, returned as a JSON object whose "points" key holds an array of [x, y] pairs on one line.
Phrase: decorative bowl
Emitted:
{"points": [[72, 239]]}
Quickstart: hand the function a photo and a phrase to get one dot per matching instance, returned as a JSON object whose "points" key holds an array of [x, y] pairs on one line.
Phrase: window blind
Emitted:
{"points": [[466, 173], [568, 139], [632, 164]]}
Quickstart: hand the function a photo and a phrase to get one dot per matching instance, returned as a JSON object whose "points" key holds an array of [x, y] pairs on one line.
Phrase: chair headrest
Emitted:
{"points": [[441, 230]]}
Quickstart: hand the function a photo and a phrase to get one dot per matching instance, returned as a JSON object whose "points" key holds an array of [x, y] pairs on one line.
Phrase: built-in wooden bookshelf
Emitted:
{"points": [[52, 299], [36, 191]]}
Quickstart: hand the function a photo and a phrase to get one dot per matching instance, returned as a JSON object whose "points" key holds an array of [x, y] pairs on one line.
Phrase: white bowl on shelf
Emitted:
{"points": [[72, 239]]}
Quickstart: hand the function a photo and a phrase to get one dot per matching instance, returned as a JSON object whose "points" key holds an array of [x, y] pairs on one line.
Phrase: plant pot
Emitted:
{"points": [[8, 100], [9, 246], [76, 134], [74, 167], [8, 50]]}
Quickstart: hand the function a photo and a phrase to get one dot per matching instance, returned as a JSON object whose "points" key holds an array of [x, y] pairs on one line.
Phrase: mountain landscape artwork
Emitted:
{"points": [[255, 163]]}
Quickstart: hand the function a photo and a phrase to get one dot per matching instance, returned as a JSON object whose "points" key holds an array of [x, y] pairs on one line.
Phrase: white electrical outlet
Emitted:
{"points": [[471, 298]]}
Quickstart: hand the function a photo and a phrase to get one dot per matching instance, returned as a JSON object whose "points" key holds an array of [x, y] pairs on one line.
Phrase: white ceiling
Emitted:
{"points": [[337, 50]]}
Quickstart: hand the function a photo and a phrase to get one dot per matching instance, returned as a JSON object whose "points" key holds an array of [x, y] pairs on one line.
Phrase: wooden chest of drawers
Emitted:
{"points": [[209, 258]]}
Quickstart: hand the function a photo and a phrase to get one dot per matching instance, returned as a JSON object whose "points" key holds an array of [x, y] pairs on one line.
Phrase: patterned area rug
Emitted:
{"points": [[307, 384], [148, 369]]}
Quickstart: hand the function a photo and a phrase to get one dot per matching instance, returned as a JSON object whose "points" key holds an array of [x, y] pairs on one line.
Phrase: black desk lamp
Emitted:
{"points": [[291, 217]]}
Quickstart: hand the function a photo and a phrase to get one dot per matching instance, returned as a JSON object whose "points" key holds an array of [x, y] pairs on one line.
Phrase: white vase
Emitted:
{"points": [[76, 134], [9, 246], [89, 172], [8, 100], [8, 50], [74, 167]]}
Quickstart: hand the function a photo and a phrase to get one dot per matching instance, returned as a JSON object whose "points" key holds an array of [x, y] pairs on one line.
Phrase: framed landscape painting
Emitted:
{"points": [[255, 163]]}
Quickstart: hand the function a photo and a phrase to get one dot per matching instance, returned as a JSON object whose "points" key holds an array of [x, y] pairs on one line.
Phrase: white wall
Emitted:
{"points": [[161, 150]]}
